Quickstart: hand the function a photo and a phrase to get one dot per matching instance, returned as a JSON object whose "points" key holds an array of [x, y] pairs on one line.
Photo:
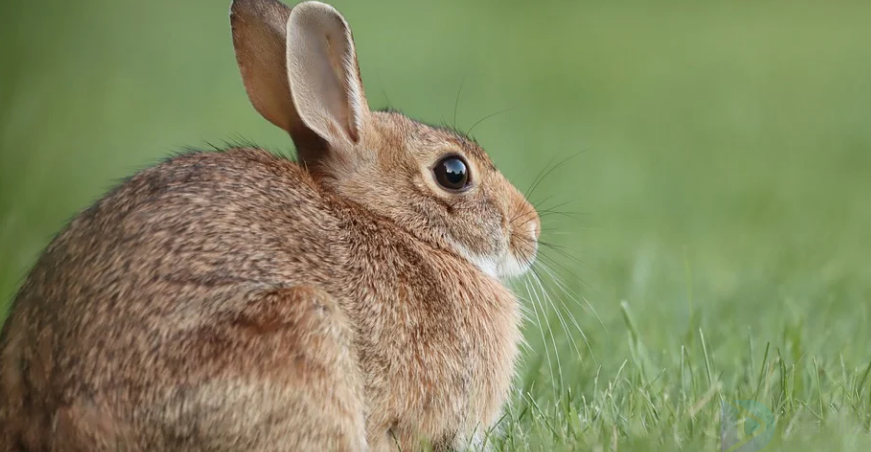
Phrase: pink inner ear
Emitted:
{"points": [[337, 51], [323, 73]]}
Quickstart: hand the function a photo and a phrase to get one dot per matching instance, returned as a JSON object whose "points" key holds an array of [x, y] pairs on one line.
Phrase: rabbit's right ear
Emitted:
{"points": [[324, 74], [300, 71]]}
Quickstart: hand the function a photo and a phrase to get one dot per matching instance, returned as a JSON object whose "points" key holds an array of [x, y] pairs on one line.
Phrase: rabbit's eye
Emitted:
{"points": [[452, 173]]}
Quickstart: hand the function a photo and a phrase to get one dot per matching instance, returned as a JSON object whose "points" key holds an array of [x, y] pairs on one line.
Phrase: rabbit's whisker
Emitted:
{"points": [[541, 329], [586, 305], [469, 132], [539, 179], [566, 294], [538, 279], [542, 299], [562, 252], [457, 100]]}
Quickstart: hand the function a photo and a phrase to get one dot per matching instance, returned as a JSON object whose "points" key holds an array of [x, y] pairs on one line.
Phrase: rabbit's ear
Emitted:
{"points": [[323, 73], [259, 39]]}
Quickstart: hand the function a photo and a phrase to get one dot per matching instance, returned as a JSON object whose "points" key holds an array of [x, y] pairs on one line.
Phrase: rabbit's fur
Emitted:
{"points": [[238, 301]]}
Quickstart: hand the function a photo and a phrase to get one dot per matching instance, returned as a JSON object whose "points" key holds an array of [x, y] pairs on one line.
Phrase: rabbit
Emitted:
{"points": [[352, 300]]}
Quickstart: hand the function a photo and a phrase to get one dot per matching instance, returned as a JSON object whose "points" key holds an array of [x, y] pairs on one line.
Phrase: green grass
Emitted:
{"points": [[716, 241]]}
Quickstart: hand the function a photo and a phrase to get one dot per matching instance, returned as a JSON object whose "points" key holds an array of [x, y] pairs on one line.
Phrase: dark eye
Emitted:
{"points": [[452, 173]]}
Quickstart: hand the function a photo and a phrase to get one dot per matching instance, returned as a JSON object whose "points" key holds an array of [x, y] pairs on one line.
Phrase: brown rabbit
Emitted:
{"points": [[238, 301]]}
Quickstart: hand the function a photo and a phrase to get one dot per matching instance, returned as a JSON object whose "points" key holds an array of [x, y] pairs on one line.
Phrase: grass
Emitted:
{"points": [[711, 236]]}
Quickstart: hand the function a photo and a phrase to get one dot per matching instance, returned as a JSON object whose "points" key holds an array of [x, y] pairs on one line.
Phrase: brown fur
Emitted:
{"points": [[236, 301]]}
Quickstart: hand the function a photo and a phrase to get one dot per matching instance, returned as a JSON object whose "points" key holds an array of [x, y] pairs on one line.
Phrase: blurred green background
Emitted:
{"points": [[722, 190]]}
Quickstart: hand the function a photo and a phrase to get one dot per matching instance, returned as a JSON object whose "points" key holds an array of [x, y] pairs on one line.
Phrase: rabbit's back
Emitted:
{"points": [[119, 295], [205, 220]]}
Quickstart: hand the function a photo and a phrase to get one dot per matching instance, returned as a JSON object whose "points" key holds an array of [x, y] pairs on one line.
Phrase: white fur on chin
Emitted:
{"points": [[508, 266]]}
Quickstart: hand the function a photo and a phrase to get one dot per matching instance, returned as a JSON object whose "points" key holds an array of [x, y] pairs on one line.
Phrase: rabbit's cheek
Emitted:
{"points": [[487, 264]]}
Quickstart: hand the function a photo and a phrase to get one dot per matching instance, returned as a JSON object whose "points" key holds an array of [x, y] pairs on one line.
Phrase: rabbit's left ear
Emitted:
{"points": [[259, 37], [324, 74]]}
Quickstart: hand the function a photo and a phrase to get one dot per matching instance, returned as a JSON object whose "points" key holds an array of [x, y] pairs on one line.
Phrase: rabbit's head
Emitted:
{"points": [[301, 73]]}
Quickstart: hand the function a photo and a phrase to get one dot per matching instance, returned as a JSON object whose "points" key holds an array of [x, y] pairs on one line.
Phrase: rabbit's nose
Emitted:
{"points": [[533, 222], [535, 228]]}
